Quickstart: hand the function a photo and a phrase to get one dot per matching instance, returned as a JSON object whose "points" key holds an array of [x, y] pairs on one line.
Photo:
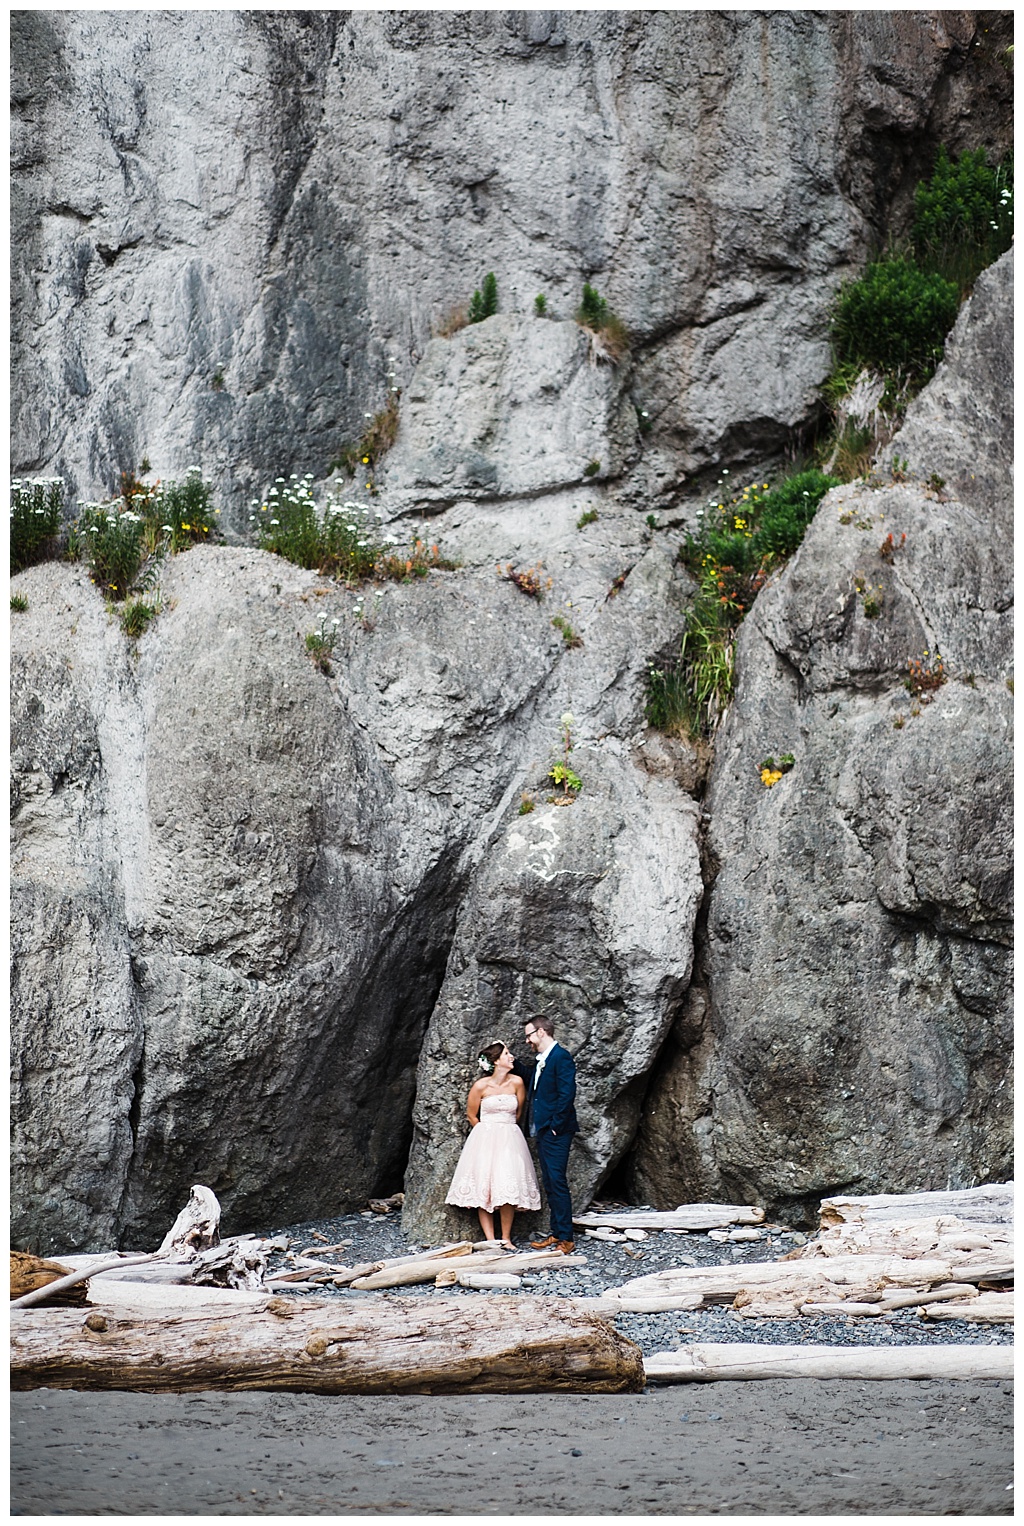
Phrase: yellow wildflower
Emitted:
{"points": [[770, 776]]}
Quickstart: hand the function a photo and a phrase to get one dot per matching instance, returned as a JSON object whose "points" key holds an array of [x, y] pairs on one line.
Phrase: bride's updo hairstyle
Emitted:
{"points": [[490, 1056]]}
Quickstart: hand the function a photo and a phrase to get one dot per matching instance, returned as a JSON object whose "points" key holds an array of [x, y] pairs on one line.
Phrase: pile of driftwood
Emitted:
{"points": [[200, 1313], [481, 1265], [949, 1254]]}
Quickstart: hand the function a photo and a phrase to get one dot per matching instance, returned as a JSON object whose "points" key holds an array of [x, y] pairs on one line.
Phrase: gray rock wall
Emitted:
{"points": [[855, 1029], [262, 918], [226, 222]]}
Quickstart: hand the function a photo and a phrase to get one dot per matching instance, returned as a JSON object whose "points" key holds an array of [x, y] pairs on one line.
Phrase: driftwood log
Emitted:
{"points": [[31, 1274], [709, 1363], [686, 1216], [986, 1309], [412, 1346], [988, 1206]]}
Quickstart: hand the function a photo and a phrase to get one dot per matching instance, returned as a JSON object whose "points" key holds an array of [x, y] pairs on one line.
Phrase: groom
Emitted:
{"points": [[552, 1124]]}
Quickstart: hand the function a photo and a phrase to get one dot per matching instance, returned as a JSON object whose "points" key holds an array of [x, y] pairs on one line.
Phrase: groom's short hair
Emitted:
{"points": [[545, 1023]]}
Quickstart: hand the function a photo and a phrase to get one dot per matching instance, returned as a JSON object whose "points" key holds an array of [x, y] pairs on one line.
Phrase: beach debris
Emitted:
{"points": [[387, 1204]]}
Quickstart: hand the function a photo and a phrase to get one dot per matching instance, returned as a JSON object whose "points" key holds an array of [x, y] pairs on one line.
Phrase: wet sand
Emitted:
{"points": [[799, 1447]]}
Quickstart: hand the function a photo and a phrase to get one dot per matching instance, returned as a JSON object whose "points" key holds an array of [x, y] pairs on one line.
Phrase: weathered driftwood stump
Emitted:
{"points": [[393, 1345]]}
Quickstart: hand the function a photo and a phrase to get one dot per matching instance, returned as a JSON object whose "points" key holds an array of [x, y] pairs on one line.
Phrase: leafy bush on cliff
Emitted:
{"points": [[963, 216], [895, 319], [743, 535], [594, 314]]}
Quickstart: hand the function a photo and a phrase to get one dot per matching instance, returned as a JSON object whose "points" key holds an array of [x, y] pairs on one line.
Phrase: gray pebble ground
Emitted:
{"points": [[375, 1236]]}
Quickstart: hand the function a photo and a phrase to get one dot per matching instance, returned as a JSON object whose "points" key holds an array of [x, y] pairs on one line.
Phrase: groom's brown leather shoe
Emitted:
{"points": [[543, 1244], [567, 1247]]}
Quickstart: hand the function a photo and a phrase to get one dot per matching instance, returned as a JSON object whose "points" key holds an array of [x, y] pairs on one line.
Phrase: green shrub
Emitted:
{"points": [[484, 303], [895, 319], [112, 541], [36, 514], [740, 539], [963, 215], [592, 312], [540, 305]]}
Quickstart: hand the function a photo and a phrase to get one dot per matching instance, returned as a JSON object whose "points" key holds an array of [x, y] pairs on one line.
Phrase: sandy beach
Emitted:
{"points": [[791, 1448]]}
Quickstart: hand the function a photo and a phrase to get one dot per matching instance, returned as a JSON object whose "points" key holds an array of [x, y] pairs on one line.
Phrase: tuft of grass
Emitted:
{"points": [[610, 333], [667, 703], [451, 321], [320, 645], [571, 637], [592, 468], [374, 442], [136, 615], [540, 305], [19, 603], [588, 517]]}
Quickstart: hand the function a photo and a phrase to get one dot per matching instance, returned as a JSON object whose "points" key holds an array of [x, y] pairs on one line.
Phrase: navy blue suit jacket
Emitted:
{"points": [[552, 1099]]}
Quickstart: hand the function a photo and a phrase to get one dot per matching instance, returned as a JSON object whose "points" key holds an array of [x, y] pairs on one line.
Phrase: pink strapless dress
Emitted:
{"points": [[495, 1165]]}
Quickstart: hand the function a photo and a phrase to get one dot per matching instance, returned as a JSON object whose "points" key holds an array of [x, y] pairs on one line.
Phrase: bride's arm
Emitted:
{"points": [[520, 1091], [473, 1101]]}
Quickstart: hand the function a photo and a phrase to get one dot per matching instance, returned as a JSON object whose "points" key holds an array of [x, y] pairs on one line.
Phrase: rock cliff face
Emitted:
{"points": [[264, 918], [854, 1026], [225, 223], [252, 873]]}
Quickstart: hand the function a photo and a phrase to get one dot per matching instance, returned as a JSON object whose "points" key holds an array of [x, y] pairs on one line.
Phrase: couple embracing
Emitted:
{"points": [[495, 1173]]}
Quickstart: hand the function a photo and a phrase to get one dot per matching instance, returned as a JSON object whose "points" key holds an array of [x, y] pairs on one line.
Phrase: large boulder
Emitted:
{"points": [[581, 912], [854, 1027], [225, 226]]}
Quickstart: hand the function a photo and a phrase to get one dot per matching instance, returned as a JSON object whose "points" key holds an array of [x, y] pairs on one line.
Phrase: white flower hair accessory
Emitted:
{"points": [[486, 1065]]}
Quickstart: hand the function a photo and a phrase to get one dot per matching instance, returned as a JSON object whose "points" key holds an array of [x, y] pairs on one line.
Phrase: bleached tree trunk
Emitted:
{"points": [[386, 1346], [704, 1363]]}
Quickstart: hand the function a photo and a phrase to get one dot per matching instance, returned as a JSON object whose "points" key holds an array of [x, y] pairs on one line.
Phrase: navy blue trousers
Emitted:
{"points": [[553, 1154]]}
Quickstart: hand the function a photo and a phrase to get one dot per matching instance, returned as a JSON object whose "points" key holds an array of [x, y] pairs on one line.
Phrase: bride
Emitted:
{"points": [[495, 1171]]}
